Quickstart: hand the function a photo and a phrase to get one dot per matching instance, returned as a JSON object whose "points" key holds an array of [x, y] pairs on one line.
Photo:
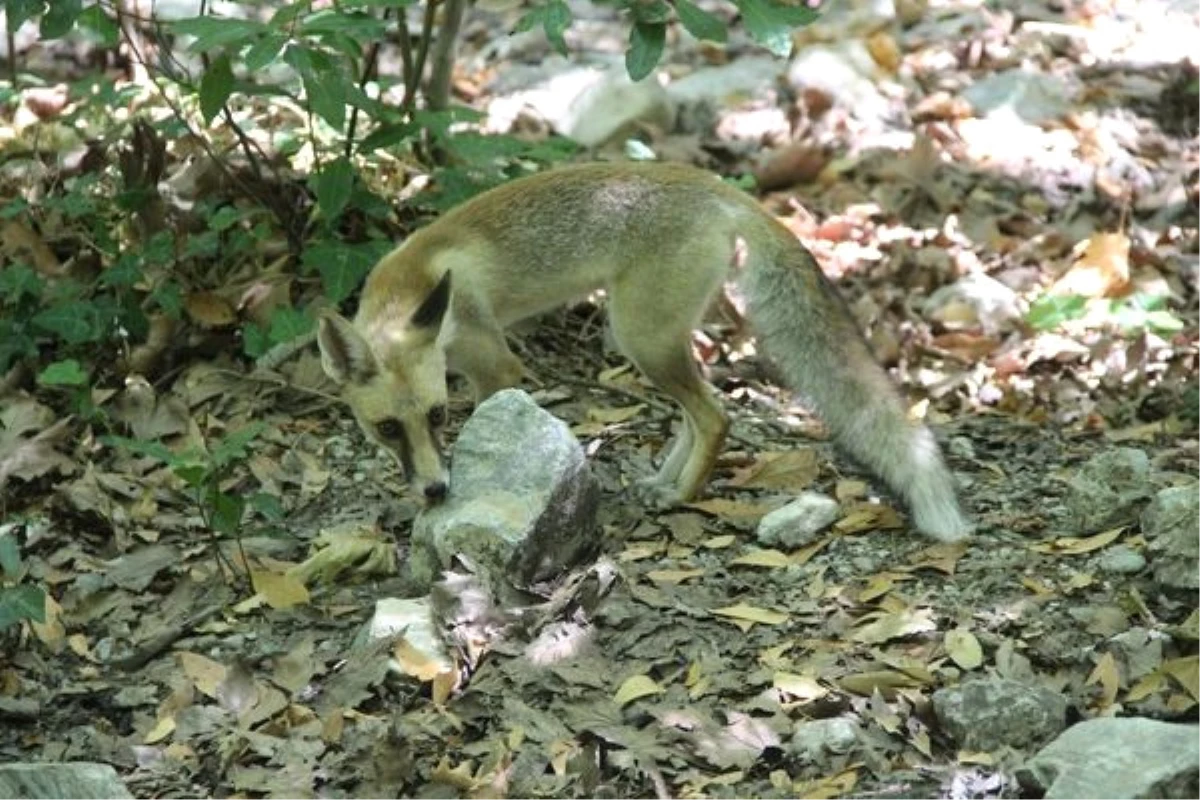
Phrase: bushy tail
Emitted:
{"points": [[806, 329]]}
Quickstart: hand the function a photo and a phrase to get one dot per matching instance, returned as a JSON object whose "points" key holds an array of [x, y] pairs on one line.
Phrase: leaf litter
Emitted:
{"points": [[684, 665]]}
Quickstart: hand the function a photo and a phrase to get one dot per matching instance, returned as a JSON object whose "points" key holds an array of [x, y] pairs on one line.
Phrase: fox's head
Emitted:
{"points": [[392, 374]]}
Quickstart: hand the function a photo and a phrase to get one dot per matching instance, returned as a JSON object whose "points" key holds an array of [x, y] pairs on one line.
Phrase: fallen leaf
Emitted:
{"points": [[798, 687], [747, 616], [772, 559], [673, 576], [1108, 676], [205, 673], [789, 470], [634, 687], [611, 416], [963, 648], [1074, 546], [894, 625], [280, 590]]}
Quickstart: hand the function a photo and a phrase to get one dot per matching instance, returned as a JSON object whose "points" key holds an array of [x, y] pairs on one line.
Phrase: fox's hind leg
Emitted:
{"points": [[658, 344]]}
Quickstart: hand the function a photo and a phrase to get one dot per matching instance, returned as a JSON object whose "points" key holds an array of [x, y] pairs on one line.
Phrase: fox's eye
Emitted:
{"points": [[390, 429], [437, 416]]}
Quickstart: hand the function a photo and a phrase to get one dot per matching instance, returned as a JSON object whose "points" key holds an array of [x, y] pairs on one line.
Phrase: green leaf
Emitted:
{"points": [[18, 281], [324, 83], [73, 322], [646, 41], [700, 23], [20, 603], [1163, 322], [264, 52], [19, 12], [215, 88], [342, 267], [1052, 310], [227, 510], [232, 447], [10, 555], [212, 33], [288, 324], [554, 17], [650, 11], [770, 23], [333, 186], [268, 505], [63, 373], [255, 341], [141, 447], [60, 18], [357, 26], [95, 20]]}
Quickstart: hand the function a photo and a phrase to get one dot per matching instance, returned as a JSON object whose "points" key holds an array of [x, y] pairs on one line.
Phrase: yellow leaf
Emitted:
{"points": [[847, 490], [634, 687], [414, 662], [963, 648], [886, 682], [611, 416], [895, 625], [1150, 684], [673, 576], [637, 551], [1184, 671], [863, 517], [789, 470], [976, 757], [1038, 587], [202, 671], [731, 509], [877, 586], [800, 687], [161, 730], [1073, 546], [838, 785], [772, 559], [280, 590], [719, 542], [1108, 675], [751, 614]]}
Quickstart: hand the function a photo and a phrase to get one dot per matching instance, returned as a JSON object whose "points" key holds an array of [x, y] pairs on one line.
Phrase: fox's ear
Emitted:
{"points": [[433, 307], [345, 355]]}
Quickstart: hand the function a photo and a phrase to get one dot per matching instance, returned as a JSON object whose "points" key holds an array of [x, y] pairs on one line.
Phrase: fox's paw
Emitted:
{"points": [[657, 493]]}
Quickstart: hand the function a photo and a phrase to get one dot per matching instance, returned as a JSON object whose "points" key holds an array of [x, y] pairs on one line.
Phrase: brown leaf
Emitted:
{"points": [[789, 470], [209, 309]]}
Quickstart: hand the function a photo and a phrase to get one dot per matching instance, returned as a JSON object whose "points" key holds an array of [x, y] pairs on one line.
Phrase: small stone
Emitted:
{"points": [[799, 522]]}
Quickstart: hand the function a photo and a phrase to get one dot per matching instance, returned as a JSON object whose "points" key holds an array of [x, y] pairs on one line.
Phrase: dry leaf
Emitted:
{"points": [[673, 576], [1185, 672], [789, 470], [1074, 546], [205, 673], [798, 687], [747, 616], [280, 590], [634, 687], [772, 559], [611, 416], [1101, 271], [895, 625], [963, 648], [209, 309], [1108, 676]]}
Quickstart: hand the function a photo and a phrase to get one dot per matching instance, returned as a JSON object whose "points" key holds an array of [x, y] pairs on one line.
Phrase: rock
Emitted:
{"points": [[799, 522], [847, 75], [1034, 97], [990, 713], [1169, 524], [702, 97], [1112, 757], [1108, 488], [73, 779], [522, 500], [1121, 560], [812, 742], [594, 106], [411, 618], [975, 299]]}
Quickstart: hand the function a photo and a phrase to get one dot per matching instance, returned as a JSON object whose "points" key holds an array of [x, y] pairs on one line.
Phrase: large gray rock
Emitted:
{"points": [[522, 501], [1170, 523], [72, 779], [1111, 757], [1108, 490], [990, 713]]}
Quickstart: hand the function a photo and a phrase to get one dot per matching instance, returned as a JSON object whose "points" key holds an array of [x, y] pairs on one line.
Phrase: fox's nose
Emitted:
{"points": [[436, 491]]}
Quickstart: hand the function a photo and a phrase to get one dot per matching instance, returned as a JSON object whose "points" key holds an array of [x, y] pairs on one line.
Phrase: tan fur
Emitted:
{"points": [[660, 239]]}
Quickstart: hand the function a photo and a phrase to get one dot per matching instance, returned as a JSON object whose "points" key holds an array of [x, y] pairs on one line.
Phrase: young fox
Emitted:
{"points": [[660, 239]]}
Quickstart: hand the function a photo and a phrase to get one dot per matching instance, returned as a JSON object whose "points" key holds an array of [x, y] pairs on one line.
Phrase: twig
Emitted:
{"points": [[410, 96], [368, 72], [438, 92], [159, 644]]}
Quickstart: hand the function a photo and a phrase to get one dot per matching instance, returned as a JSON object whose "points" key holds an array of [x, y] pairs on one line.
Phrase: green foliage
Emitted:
{"points": [[1050, 311], [19, 601], [1132, 314], [203, 472]]}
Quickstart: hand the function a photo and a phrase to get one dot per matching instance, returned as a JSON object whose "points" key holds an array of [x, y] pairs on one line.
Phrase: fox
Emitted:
{"points": [[661, 240]]}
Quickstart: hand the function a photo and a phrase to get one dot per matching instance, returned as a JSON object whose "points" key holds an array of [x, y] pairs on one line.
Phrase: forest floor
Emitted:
{"points": [[1030, 285]]}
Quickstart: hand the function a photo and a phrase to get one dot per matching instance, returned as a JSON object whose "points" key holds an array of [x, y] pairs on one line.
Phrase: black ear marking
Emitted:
{"points": [[433, 307], [345, 355]]}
